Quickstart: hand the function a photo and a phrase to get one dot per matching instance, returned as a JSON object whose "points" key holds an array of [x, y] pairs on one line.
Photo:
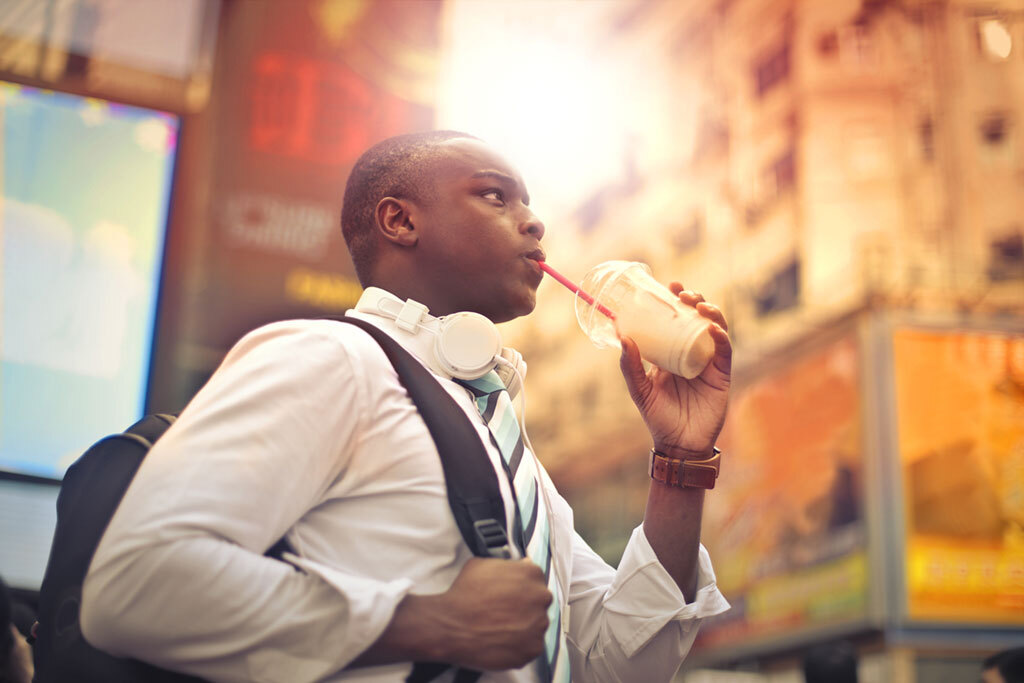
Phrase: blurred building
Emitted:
{"points": [[847, 180], [807, 158]]}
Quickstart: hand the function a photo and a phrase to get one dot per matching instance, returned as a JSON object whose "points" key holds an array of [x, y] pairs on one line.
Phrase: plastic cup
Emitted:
{"points": [[669, 333]]}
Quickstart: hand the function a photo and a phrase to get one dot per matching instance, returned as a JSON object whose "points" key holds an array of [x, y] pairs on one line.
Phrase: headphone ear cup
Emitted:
{"points": [[466, 345]]}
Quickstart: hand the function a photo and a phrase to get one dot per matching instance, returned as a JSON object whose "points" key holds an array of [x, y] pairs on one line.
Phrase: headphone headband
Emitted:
{"points": [[466, 344]]}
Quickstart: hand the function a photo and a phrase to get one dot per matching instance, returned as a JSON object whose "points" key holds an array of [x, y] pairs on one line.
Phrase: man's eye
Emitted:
{"points": [[494, 194]]}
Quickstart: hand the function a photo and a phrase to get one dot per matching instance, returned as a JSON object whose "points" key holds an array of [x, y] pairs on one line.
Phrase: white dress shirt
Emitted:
{"points": [[305, 431]]}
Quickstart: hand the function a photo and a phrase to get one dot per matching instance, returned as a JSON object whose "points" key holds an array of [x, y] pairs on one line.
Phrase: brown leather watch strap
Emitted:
{"points": [[684, 473]]}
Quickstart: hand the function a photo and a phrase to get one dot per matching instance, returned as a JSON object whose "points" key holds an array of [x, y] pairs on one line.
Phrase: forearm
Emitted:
{"points": [[672, 526], [213, 609]]}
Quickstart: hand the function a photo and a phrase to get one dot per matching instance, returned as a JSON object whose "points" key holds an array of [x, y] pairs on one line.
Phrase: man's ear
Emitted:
{"points": [[394, 221]]}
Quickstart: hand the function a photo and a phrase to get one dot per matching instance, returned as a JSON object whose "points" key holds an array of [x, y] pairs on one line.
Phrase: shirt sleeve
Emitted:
{"points": [[633, 624], [179, 578]]}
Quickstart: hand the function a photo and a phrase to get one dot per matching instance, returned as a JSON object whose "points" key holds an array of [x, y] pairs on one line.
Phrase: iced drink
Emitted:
{"points": [[668, 333]]}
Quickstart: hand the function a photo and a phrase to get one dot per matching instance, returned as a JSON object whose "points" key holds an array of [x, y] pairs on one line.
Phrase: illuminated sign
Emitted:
{"points": [[960, 411]]}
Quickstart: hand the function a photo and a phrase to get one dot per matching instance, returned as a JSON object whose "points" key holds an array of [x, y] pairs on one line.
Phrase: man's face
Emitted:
{"points": [[478, 239]]}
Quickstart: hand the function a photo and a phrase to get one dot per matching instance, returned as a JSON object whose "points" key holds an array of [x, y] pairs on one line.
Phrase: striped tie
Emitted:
{"points": [[531, 524]]}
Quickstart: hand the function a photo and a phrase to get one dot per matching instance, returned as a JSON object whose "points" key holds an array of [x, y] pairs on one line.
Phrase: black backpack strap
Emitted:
{"points": [[424, 672]]}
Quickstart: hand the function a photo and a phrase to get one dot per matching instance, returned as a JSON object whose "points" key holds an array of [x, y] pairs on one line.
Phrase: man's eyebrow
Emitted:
{"points": [[506, 179]]}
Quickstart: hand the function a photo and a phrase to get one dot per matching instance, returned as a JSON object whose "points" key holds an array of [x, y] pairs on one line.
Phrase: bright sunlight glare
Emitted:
{"points": [[530, 79]]}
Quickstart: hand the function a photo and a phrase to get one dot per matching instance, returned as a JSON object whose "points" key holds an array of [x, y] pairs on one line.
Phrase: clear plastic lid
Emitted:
{"points": [[603, 284]]}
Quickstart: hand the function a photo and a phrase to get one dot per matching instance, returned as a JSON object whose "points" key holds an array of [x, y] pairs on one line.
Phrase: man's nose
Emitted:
{"points": [[532, 226]]}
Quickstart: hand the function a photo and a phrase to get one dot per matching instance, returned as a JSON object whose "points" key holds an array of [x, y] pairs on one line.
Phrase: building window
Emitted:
{"points": [[994, 39], [775, 180], [784, 172], [779, 176], [995, 140], [772, 69], [927, 132], [992, 130], [828, 45], [780, 292], [1006, 258], [857, 46]]}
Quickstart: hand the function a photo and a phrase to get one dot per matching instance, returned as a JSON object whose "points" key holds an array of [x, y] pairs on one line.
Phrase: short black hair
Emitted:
{"points": [[1009, 663], [391, 168], [831, 663]]}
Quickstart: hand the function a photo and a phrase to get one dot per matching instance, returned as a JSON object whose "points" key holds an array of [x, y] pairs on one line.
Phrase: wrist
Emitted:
{"points": [[425, 636], [413, 635], [677, 452]]}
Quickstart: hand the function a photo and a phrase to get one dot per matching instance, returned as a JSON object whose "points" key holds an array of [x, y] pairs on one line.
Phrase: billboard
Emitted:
{"points": [[303, 90], [785, 524], [85, 188], [960, 417]]}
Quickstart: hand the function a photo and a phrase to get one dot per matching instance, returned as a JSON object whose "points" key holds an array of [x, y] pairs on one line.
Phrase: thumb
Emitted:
{"points": [[637, 381]]}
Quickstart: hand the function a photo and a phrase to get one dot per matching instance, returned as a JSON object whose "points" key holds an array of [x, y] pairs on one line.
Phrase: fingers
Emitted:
{"points": [[697, 300], [687, 296], [713, 313], [721, 337], [633, 368], [719, 328], [723, 348]]}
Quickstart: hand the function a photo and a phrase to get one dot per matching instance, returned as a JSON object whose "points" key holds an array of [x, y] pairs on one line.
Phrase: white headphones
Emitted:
{"points": [[467, 345]]}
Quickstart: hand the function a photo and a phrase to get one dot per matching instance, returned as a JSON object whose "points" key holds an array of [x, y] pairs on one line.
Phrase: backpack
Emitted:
{"points": [[94, 485]]}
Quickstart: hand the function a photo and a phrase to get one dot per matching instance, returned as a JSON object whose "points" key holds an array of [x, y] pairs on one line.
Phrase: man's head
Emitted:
{"points": [[1004, 667], [831, 663], [442, 218], [396, 167]]}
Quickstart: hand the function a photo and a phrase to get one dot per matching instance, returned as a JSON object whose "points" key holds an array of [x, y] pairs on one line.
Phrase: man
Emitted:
{"points": [[15, 651], [834, 662], [1004, 667], [305, 431]]}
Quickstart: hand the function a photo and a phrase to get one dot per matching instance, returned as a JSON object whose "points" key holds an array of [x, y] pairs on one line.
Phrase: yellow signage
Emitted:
{"points": [[960, 411], [329, 291]]}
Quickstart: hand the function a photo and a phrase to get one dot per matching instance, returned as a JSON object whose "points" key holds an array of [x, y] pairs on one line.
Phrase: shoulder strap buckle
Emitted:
{"points": [[492, 536]]}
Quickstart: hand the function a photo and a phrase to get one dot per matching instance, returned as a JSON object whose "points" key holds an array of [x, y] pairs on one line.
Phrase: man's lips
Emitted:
{"points": [[534, 257]]}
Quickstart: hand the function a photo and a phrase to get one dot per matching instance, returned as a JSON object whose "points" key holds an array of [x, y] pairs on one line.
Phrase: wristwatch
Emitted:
{"points": [[684, 473]]}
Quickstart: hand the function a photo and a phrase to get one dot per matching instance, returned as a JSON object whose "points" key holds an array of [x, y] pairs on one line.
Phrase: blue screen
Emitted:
{"points": [[85, 186]]}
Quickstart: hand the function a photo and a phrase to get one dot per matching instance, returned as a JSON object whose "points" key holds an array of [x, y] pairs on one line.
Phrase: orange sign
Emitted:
{"points": [[785, 524], [960, 411]]}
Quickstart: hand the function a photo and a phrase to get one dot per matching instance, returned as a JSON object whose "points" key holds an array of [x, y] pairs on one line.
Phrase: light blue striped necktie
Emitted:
{"points": [[495, 405]]}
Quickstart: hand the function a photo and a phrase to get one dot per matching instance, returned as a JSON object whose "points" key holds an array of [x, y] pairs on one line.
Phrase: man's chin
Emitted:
{"points": [[518, 306]]}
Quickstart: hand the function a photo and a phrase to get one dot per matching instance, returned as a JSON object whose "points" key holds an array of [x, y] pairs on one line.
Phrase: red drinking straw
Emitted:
{"points": [[571, 286]]}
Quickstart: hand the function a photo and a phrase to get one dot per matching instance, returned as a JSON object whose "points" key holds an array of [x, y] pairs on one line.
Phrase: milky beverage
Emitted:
{"points": [[668, 333]]}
